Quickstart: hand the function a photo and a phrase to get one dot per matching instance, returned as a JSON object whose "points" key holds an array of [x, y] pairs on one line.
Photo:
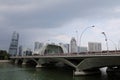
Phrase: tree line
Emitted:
{"points": [[4, 55]]}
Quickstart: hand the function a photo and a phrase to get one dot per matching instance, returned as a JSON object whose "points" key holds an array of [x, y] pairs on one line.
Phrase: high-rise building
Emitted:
{"points": [[37, 46], [94, 47], [13, 49], [73, 45]]}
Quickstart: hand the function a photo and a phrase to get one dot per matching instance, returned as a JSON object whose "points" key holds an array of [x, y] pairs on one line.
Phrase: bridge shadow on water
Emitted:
{"points": [[98, 77], [65, 73], [15, 72], [109, 75]]}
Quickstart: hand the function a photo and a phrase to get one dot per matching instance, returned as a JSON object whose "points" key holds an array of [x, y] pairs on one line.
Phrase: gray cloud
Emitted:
{"points": [[22, 15], [53, 15], [57, 15]]}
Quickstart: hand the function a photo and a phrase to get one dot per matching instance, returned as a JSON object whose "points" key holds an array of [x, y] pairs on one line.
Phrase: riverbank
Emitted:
{"points": [[5, 61]]}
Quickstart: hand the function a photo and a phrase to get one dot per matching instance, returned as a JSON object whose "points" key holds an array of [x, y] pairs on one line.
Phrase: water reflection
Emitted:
{"points": [[109, 76], [12, 72], [50, 74], [87, 78]]}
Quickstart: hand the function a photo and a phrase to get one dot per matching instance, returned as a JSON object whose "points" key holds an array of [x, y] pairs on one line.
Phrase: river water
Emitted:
{"points": [[13, 72]]}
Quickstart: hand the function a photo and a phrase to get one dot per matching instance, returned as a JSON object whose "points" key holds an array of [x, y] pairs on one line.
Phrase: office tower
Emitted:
{"points": [[73, 45], [13, 49], [94, 47], [37, 46]]}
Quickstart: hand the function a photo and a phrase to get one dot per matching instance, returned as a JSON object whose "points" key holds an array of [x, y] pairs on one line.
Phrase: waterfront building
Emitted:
{"points": [[13, 49], [94, 47], [73, 45]]}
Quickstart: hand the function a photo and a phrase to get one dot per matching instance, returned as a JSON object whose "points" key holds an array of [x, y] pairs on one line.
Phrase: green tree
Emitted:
{"points": [[4, 55]]}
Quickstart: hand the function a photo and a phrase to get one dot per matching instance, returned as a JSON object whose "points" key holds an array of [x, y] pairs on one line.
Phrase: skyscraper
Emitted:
{"points": [[73, 45], [37, 46], [13, 49]]}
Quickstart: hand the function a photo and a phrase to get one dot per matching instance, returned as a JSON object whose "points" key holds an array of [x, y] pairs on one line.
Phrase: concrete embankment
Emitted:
{"points": [[5, 61]]}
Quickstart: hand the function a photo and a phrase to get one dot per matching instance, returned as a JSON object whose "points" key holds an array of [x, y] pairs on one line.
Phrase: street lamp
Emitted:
{"points": [[106, 41], [83, 32]]}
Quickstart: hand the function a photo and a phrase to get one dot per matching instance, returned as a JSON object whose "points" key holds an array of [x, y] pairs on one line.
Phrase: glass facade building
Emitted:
{"points": [[13, 49]]}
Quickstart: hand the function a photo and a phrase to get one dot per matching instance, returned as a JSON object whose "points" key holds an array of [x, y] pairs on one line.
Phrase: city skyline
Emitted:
{"points": [[60, 20]]}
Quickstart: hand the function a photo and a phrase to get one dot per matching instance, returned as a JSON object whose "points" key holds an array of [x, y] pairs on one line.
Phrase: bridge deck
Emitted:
{"points": [[69, 56]]}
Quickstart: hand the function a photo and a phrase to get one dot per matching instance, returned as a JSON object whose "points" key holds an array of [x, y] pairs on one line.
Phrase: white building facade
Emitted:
{"points": [[94, 47], [73, 45], [37, 46]]}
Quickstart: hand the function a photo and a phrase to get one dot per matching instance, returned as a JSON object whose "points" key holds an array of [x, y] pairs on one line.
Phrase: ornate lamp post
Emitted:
{"points": [[106, 40], [83, 33]]}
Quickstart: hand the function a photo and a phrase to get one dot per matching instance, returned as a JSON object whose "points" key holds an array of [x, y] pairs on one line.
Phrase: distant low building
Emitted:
{"points": [[82, 49], [27, 52]]}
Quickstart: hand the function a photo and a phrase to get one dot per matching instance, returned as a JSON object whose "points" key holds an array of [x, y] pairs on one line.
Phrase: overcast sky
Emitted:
{"points": [[58, 21]]}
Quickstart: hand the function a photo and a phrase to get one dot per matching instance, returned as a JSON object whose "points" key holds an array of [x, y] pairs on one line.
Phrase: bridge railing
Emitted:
{"points": [[79, 54]]}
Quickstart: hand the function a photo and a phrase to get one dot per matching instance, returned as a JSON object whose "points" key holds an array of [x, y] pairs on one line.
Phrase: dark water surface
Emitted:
{"points": [[13, 72]]}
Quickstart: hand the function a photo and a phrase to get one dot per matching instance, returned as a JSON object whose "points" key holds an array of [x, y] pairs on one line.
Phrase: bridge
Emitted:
{"points": [[80, 62], [83, 63]]}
